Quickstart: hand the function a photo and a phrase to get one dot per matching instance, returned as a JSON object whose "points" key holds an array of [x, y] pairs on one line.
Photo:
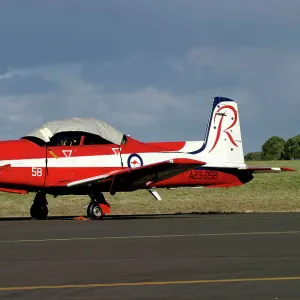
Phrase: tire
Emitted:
{"points": [[94, 211], [39, 212]]}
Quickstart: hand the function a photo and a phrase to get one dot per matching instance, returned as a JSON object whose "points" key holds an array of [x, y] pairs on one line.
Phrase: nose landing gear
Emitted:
{"points": [[39, 209]]}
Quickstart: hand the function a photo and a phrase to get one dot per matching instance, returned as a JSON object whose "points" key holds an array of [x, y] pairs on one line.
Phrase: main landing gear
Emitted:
{"points": [[98, 207], [39, 209]]}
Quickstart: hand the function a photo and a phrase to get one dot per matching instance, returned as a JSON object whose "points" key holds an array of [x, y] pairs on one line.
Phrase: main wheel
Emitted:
{"points": [[94, 211], [39, 211]]}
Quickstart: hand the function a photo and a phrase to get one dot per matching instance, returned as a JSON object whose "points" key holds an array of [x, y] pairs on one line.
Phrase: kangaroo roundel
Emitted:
{"points": [[134, 161]]}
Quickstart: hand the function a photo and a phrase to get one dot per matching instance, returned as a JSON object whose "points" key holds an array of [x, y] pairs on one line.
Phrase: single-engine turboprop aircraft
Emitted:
{"points": [[80, 156]]}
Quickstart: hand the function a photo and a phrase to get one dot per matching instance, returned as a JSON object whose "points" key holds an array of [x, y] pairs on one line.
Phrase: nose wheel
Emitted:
{"points": [[98, 207], [39, 209]]}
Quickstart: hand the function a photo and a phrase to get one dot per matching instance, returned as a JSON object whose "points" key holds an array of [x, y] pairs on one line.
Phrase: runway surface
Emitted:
{"points": [[247, 256]]}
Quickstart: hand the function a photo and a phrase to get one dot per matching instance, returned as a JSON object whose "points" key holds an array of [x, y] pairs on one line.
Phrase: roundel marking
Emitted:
{"points": [[134, 161]]}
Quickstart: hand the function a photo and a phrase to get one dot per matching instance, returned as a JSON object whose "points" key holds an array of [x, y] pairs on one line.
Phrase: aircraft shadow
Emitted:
{"points": [[123, 217]]}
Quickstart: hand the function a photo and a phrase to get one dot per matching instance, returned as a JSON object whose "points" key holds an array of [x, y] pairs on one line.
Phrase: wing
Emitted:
{"points": [[267, 169], [136, 178]]}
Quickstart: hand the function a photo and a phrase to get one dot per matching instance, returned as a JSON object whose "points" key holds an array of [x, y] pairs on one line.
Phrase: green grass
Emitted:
{"points": [[265, 193]]}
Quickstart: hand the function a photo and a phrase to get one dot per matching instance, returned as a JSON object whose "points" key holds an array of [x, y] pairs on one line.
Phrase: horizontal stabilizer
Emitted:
{"points": [[267, 169]]}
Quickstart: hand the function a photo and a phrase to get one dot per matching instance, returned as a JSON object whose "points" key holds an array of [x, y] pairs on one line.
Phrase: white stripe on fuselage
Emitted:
{"points": [[104, 161]]}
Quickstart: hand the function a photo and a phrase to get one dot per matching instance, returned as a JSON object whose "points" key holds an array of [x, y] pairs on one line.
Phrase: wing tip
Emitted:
{"points": [[287, 169]]}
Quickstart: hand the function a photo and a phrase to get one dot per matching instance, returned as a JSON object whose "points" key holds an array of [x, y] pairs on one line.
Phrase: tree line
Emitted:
{"points": [[276, 148]]}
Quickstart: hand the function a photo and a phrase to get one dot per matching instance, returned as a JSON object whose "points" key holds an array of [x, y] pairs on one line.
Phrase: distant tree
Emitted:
{"points": [[253, 156], [292, 148], [273, 148]]}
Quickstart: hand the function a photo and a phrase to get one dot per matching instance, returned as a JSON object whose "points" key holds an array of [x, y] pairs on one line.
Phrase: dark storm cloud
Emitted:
{"points": [[37, 32], [150, 67]]}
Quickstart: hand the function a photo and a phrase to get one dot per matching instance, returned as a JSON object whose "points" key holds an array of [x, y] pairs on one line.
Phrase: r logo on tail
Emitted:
{"points": [[234, 120]]}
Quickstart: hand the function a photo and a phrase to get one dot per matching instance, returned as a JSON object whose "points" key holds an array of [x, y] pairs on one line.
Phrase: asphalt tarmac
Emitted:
{"points": [[242, 256]]}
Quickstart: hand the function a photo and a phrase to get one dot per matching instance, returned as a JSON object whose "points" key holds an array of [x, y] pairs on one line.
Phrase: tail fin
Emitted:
{"points": [[223, 144]]}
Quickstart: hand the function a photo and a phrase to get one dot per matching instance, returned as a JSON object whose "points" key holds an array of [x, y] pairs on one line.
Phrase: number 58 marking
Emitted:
{"points": [[37, 171]]}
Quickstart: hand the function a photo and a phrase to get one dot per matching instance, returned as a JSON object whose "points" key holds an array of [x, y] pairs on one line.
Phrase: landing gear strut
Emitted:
{"points": [[98, 207], [39, 209]]}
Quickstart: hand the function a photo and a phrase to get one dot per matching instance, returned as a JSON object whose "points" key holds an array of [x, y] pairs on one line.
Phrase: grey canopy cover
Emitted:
{"points": [[89, 125]]}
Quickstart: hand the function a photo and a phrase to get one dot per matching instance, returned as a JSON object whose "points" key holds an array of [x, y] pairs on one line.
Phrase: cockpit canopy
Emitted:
{"points": [[73, 131]]}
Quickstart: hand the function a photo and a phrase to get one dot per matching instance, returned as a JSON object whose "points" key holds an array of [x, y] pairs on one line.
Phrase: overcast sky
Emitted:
{"points": [[151, 68]]}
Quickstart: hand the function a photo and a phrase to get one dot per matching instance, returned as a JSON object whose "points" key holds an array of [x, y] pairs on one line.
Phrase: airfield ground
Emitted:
{"points": [[238, 256], [265, 193]]}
